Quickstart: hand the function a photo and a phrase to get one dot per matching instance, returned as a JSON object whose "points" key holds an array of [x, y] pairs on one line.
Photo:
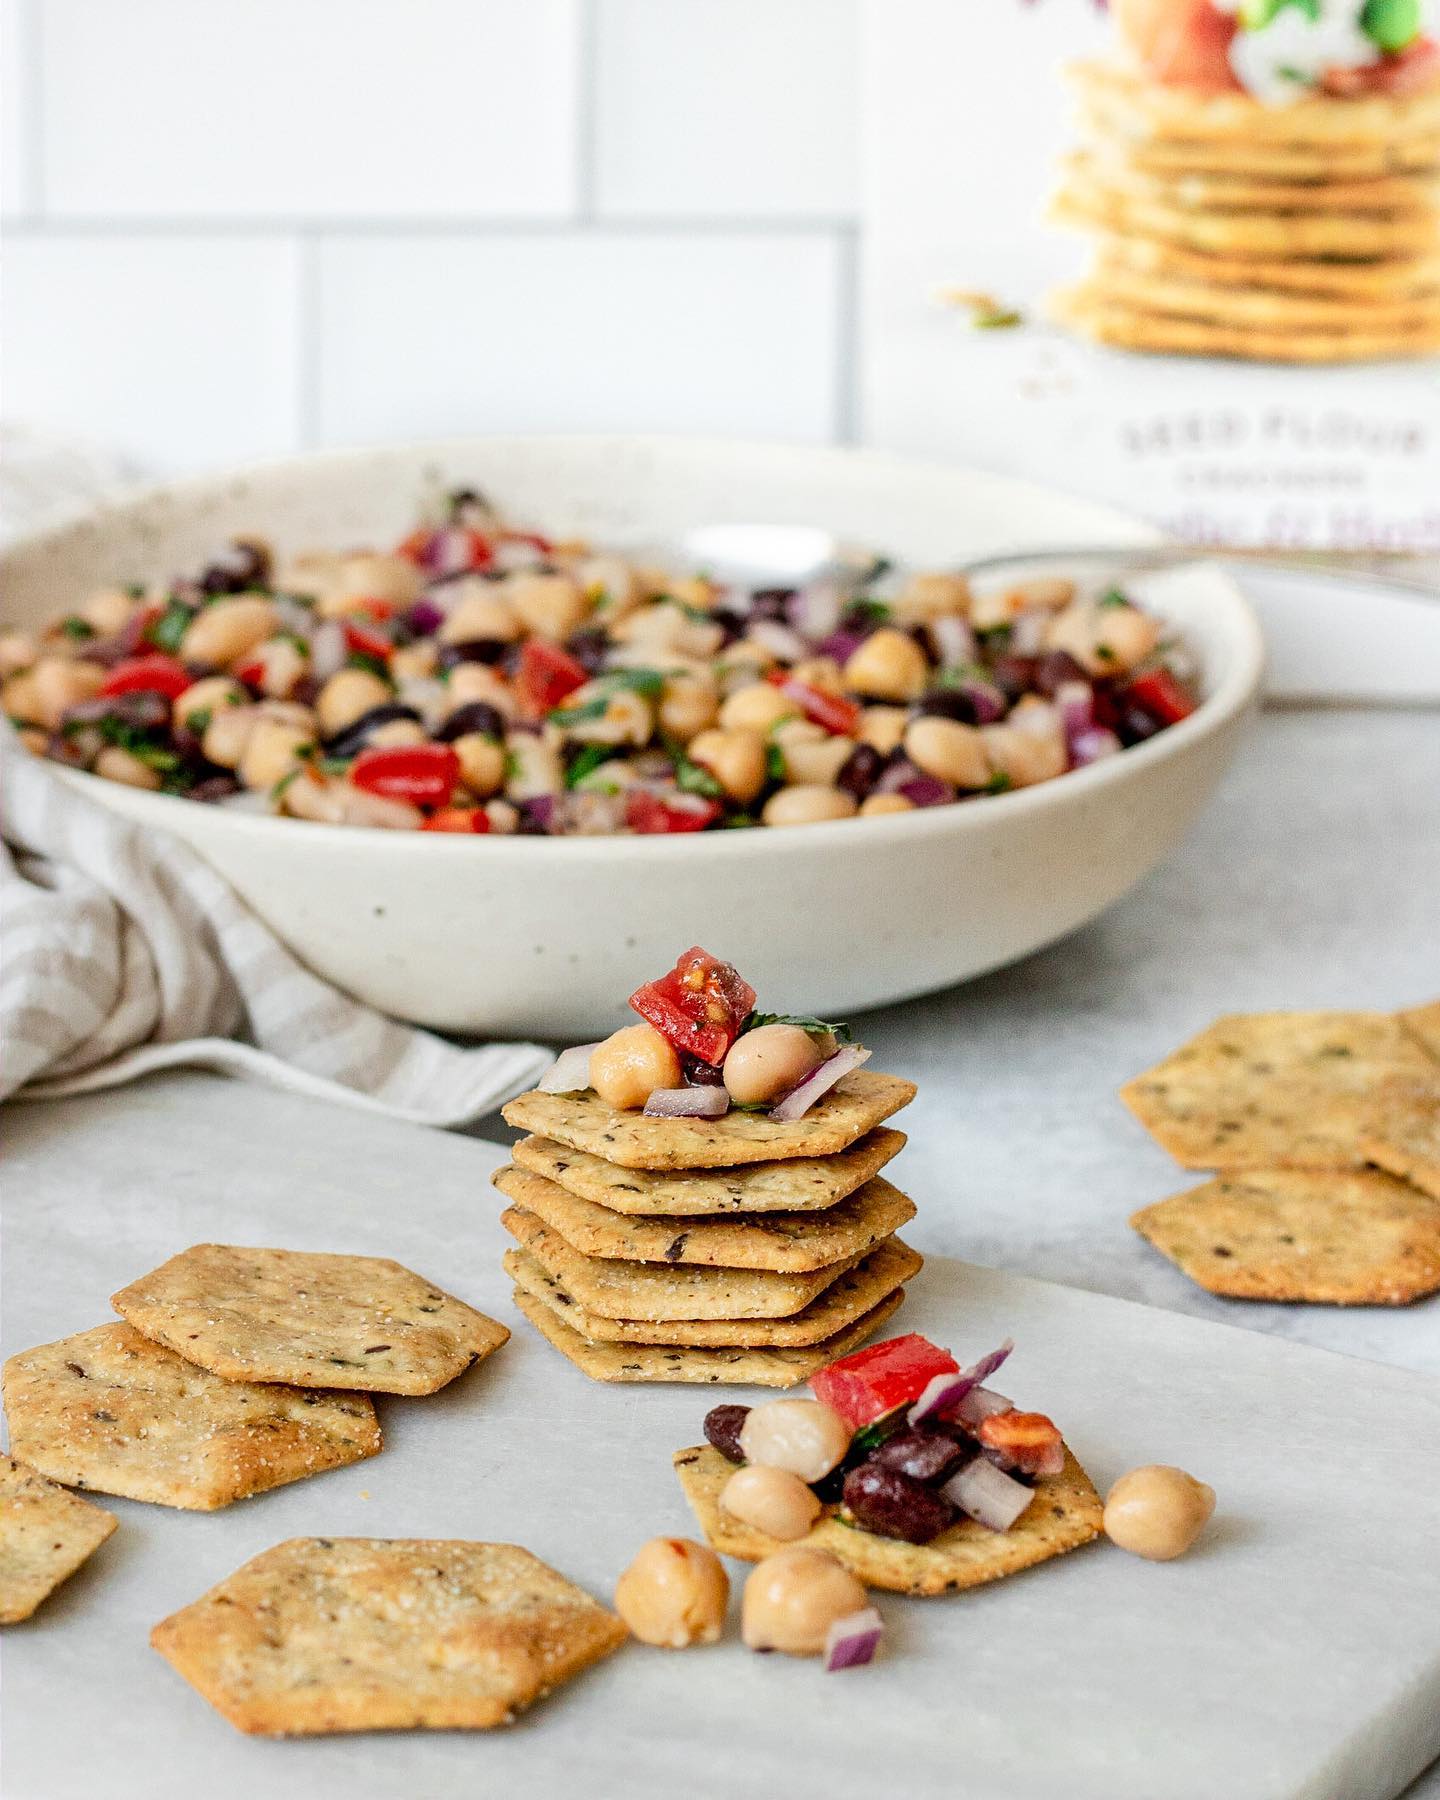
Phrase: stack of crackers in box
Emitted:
{"points": [[1324, 1128], [737, 1249], [1300, 233]]}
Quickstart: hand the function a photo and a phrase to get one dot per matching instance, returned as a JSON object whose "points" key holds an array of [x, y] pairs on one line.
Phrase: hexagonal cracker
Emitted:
{"points": [[109, 1410], [1338, 1237], [45, 1535], [372, 1634]]}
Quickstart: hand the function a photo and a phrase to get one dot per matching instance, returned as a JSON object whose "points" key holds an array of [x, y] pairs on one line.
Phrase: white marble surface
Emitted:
{"points": [[1294, 1656]]}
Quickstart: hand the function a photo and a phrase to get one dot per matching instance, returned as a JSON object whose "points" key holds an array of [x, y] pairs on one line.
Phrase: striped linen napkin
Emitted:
{"points": [[122, 952]]}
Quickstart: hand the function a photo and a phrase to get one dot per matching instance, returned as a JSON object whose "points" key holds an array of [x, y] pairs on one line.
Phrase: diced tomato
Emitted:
{"points": [[1183, 43], [872, 1382], [1160, 694], [423, 774], [252, 673], [651, 815], [1407, 71], [546, 677], [363, 642], [157, 674], [700, 1005], [839, 716], [532, 538], [1028, 1441], [375, 607], [458, 819], [447, 549]]}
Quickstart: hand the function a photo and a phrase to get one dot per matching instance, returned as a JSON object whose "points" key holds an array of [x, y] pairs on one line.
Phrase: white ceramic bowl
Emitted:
{"points": [[547, 936]]}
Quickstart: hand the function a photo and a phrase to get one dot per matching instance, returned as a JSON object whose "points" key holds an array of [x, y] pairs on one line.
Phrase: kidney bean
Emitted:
{"points": [[949, 703], [237, 568], [481, 650], [476, 717], [356, 735], [1054, 669], [860, 770], [1013, 675], [772, 603], [215, 787], [722, 1429], [924, 1455], [142, 707], [589, 647], [892, 1505]]}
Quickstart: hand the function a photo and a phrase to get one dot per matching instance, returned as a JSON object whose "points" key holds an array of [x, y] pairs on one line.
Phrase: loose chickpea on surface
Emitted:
{"points": [[948, 750], [736, 758], [628, 1067], [271, 751], [58, 683], [804, 1436], [226, 630], [482, 764], [767, 1062], [889, 665], [774, 1501], [792, 1599], [346, 696], [1157, 1511], [808, 806], [756, 707], [674, 1594], [116, 764]]}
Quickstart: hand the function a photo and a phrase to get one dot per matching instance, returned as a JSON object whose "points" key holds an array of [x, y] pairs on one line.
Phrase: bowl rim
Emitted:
{"points": [[1236, 691]]}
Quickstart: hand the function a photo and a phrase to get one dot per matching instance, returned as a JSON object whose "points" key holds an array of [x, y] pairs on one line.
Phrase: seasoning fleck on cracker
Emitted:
{"points": [[109, 1410], [45, 1535], [1065, 1513], [355, 1322], [369, 1634], [1341, 1237]]}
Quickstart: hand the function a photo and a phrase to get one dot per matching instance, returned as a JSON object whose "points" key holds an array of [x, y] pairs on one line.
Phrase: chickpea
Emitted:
{"points": [[1104, 640], [551, 606], [271, 751], [533, 767], [792, 1599], [283, 664], [876, 806], [366, 575], [693, 590], [1157, 1511], [688, 706], [347, 696], [735, 758], [765, 1063], [628, 1067], [19, 698], [805, 805], [1025, 756], [821, 672], [889, 665], [36, 742], [661, 627], [674, 1594], [396, 732], [108, 609], [933, 595], [774, 1501], [224, 631], [803, 1436], [328, 802], [757, 707], [414, 662], [17, 651], [628, 717], [817, 764], [227, 734], [948, 750], [481, 612], [207, 695], [116, 764], [883, 727], [482, 764], [609, 585], [60, 682], [474, 681]]}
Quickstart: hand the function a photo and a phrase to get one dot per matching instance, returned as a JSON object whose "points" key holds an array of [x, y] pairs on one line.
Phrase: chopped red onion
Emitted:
{"points": [[328, 650], [425, 617], [1027, 634], [778, 639], [954, 640], [853, 1640], [1038, 718], [981, 1403], [840, 646], [1076, 700], [926, 790], [570, 1072], [1090, 746], [816, 608], [688, 1103], [894, 778], [988, 1495], [986, 700], [818, 1083], [945, 1391]]}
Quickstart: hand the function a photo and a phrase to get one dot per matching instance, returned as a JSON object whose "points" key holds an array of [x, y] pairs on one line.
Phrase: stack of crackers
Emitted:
{"points": [[1225, 227], [729, 1250], [1325, 1132]]}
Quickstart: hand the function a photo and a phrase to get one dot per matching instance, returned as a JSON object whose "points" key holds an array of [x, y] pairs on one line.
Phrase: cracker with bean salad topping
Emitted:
{"points": [[479, 678]]}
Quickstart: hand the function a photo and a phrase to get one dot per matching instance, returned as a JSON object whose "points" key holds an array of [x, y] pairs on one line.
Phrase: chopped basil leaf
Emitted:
{"points": [[774, 763], [358, 659], [999, 783], [649, 682], [166, 631], [868, 612], [77, 628], [198, 722], [842, 1034], [591, 758], [579, 715], [691, 778], [277, 793], [334, 765], [293, 637], [1002, 319], [1112, 597]]}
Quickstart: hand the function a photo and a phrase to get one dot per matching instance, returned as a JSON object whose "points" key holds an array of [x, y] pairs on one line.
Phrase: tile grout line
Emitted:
{"points": [[587, 111]]}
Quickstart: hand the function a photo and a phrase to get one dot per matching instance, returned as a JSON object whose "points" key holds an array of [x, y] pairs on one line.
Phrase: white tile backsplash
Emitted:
{"points": [[726, 107], [182, 351], [245, 109], [694, 332]]}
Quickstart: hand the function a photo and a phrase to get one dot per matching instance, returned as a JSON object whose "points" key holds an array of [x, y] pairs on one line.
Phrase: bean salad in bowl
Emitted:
{"points": [[483, 678]]}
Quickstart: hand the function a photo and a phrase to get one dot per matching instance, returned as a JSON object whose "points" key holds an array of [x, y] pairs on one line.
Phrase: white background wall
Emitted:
{"points": [[242, 227]]}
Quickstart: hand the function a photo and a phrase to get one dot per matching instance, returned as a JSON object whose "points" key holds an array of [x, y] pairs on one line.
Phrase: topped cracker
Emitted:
{"points": [[1339, 1237], [1275, 1090], [372, 1634], [45, 1535], [109, 1410], [786, 1241], [1065, 1513], [799, 1184], [317, 1320], [630, 1140]]}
